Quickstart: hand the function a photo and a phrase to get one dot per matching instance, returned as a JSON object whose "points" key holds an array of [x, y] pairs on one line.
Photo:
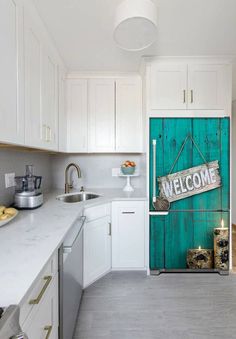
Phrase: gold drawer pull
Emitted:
{"points": [[36, 301], [49, 330], [184, 96], [191, 96]]}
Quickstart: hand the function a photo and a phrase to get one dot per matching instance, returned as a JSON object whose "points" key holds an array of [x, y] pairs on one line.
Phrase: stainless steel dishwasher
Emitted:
{"points": [[71, 278]]}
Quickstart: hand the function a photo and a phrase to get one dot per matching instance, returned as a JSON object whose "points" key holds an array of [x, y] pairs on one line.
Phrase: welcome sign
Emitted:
{"points": [[189, 182]]}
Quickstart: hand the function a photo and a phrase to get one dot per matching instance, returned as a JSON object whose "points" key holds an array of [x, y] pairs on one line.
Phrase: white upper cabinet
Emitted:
{"points": [[41, 87], [12, 72], [129, 136], [77, 115], [189, 84], [168, 86], [104, 115], [101, 115], [50, 98], [35, 134], [207, 86]]}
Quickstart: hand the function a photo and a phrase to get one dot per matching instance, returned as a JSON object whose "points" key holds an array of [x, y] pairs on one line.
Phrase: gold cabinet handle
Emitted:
{"points": [[36, 301], [49, 330], [184, 96], [191, 92]]}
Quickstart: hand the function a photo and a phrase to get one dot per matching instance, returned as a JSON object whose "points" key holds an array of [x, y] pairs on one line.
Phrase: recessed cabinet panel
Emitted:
{"points": [[207, 86], [77, 115], [11, 70], [34, 131], [49, 100], [101, 115], [129, 134], [168, 85], [128, 235], [62, 119], [97, 249], [41, 86]]}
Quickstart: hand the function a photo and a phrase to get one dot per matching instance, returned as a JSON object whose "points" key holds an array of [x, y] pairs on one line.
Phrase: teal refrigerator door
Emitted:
{"points": [[195, 217]]}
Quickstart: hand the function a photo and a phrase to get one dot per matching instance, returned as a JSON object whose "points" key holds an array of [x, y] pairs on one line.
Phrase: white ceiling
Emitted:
{"points": [[82, 31]]}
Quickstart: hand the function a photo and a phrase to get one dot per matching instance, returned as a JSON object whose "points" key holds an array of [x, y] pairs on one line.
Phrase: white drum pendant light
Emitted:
{"points": [[135, 24]]}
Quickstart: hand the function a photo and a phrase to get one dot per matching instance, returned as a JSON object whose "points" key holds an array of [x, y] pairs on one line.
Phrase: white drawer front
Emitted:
{"points": [[40, 287], [97, 212]]}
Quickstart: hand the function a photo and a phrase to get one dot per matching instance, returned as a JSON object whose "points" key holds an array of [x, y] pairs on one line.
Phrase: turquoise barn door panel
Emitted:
{"points": [[175, 131], [168, 248], [207, 134], [157, 243], [192, 224], [178, 239]]}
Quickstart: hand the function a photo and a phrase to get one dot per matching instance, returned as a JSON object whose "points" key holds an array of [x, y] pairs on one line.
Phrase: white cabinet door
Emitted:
{"points": [[11, 72], [129, 133], [128, 235], [35, 134], [207, 86], [168, 86], [41, 86], [97, 249], [101, 115], [50, 98], [62, 122], [44, 322], [77, 115]]}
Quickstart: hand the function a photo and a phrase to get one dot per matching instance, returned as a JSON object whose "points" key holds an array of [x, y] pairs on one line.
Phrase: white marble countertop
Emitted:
{"points": [[28, 242]]}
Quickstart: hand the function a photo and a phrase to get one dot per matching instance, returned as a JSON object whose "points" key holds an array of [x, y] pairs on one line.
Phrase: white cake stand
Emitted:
{"points": [[128, 187]]}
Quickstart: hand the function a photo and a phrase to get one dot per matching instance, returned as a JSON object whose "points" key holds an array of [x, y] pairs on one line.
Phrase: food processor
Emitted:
{"points": [[28, 194]]}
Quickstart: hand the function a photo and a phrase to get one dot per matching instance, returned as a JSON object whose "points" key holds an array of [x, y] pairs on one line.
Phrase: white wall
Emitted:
{"points": [[234, 163], [96, 170], [15, 161]]}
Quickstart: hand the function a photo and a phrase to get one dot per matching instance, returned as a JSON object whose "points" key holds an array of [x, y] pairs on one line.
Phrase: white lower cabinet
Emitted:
{"points": [[39, 311], [128, 235], [44, 322], [97, 248]]}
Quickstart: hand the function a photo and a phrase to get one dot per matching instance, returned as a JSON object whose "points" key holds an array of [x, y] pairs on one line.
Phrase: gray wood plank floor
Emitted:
{"points": [[130, 305]]}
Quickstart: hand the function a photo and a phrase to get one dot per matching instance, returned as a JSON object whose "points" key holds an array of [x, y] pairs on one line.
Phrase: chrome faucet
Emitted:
{"points": [[67, 185]]}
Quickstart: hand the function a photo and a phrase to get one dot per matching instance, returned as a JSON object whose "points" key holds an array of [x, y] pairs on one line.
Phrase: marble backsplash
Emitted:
{"points": [[97, 170]]}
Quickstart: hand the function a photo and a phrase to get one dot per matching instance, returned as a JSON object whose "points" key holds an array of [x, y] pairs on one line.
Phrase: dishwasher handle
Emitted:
{"points": [[68, 249]]}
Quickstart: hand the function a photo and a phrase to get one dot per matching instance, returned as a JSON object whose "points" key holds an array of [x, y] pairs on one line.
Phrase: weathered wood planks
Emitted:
{"points": [[172, 235]]}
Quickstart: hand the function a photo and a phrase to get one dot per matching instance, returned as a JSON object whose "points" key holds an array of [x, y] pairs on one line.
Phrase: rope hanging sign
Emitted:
{"points": [[195, 180]]}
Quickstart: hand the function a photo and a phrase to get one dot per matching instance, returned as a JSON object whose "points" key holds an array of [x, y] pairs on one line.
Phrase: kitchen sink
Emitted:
{"points": [[77, 197]]}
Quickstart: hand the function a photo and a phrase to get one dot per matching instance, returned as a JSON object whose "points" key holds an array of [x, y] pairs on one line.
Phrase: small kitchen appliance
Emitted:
{"points": [[28, 193]]}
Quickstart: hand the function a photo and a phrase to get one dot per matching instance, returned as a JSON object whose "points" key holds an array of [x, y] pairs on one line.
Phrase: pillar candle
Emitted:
{"points": [[199, 258], [221, 247]]}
